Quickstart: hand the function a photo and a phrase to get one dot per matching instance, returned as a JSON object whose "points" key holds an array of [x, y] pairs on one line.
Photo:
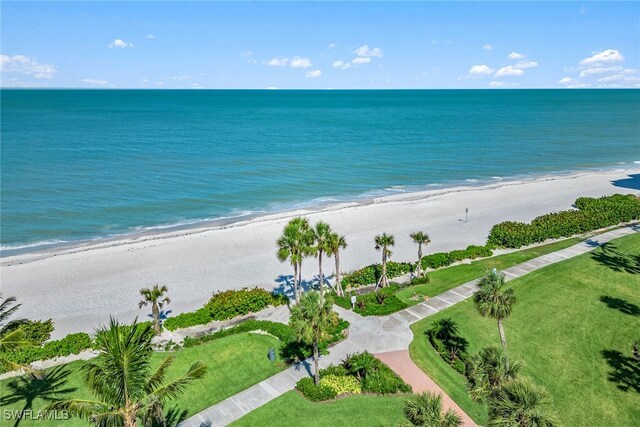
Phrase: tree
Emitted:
{"points": [[12, 337], [312, 320], [495, 301], [488, 372], [383, 242], [122, 379], [521, 403], [337, 242], [294, 244], [154, 296], [425, 410], [322, 237], [421, 239]]}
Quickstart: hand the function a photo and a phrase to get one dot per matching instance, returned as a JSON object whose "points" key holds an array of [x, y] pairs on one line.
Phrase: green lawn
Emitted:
{"points": [[292, 409], [573, 328], [446, 278], [234, 364]]}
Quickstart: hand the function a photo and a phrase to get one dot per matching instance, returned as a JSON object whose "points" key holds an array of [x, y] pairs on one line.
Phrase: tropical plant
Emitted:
{"points": [[312, 321], [444, 337], [322, 237], [521, 403], [383, 242], [425, 410], [488, 372], [155, 296], [121, 378], [496, 301], [12, 337], [337, 242], [293, 246], [421, 239]]}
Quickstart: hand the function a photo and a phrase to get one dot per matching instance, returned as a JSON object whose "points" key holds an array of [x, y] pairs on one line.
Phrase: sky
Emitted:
{"points": [[320, 45]]}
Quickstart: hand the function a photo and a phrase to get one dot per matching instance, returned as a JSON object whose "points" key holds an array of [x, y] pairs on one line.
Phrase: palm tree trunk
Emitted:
{"points": [[316, 375], [503, 339], [383, 280], [295, 283], [300, 289], [320, 275], [338, 278], [155, 311], [419, 266]]}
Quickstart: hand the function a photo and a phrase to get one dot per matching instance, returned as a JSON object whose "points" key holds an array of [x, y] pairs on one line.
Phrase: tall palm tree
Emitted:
{"points": [[383, 242], [312, 321], [154, 296], [521, 403], [425, 410], [488, 372], [122, 380], [495, 301], [293, 246], [337, 242], [12, 336], [322, 237], [421, 239]]}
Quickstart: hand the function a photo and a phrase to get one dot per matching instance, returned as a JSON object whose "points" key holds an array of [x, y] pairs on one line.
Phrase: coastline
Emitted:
{"points": [[80, 287]]}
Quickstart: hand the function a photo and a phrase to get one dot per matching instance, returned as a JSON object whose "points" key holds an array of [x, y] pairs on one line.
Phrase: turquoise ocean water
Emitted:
{"points": [[85, 164]]}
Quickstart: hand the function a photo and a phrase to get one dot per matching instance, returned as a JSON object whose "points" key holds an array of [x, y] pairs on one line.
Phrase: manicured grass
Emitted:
{"points": [[291, 409], [573, 328], [234, 364], [444, 279]]}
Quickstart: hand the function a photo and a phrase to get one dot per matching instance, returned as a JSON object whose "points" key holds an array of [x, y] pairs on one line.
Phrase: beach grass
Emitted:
{"points": [[234, 363], [292, 409], [573, 328]]}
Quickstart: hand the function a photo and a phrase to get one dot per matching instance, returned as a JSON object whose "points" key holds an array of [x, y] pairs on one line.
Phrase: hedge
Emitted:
{"points": [[315, 392], [202, 316], [591, 214], [278, 330], [445, 259], [377, 303], [371, 274]]}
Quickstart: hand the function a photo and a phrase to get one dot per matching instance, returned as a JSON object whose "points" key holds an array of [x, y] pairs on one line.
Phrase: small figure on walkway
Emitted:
{"points": [[353, 302]]}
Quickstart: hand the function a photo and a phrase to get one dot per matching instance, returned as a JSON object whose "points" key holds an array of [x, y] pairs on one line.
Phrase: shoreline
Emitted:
{"points": [[38, 251]]}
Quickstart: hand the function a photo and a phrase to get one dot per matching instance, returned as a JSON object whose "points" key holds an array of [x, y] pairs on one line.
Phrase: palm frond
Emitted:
{"points": [[157, 378], [173, 389]]}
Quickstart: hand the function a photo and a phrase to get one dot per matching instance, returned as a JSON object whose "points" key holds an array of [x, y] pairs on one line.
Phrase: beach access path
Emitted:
{"points": [[388, 338]]}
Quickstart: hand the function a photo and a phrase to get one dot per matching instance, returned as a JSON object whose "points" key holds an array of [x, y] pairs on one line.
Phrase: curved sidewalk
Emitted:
{"points": [[386, 337]]}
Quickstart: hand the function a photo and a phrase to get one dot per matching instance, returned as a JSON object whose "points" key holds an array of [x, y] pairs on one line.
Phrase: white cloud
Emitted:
{"points": [[509, 71], [297, 62], [361, 60], [313, 74], [120, 44], [22, 64], [180, 78], [95, 82], [487, 47], [606, 56], [526, 64], [621, 78], [481, 70], [599, 70], [503, 84], [196, 85], [341, 64], [246, 53], [277, 62], [433, 42], [515, 56], [367, 52], [578, 85], [150, 36], [583, 10], [567, 81], [332, 45]]}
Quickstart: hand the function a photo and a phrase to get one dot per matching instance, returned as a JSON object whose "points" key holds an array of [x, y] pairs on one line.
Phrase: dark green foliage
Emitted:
{"points": [[592, 214], [278, 330], [315, 392], [35, 332], [371, 274], [444, 259], [201, 316], [71, 344], [424, 280], [337, 370], [375, 376], [377, 303], [451, 347]]}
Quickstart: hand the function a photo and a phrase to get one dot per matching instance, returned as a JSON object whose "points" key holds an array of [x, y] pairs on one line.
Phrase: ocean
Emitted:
{"points": [[88, 164]]}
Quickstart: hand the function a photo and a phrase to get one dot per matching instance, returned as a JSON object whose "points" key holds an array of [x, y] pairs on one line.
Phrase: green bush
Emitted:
{"points": [[341, 384], [315, 392], [35, 332], [281, 331], [229, 304], [375, 376], [71, 344], [370, 274], [446, 341], [437, 260], [592, 214], [201, 316], [335, 370], [377, 303], [424, 280]]}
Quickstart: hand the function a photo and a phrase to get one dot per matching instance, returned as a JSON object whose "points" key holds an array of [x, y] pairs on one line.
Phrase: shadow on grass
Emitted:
{"points": [[621, 305], [625, 370], [27, 388], [609, 256]]}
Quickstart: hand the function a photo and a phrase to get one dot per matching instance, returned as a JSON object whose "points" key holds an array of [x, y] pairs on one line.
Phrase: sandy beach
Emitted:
{"points": [[80, 287]]}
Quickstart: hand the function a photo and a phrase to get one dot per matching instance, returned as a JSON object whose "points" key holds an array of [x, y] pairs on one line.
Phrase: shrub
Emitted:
{"points": [[375, 376], [421, 280], [437, 260], [185, 320], [379, 303], [278, 330], [315, 392], [71, 344], [370, 274], [452, 348], [228, 304], [341, 384], [35, 332], [335, 370]]}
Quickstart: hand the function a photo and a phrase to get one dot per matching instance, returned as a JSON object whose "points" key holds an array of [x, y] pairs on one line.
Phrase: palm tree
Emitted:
{"points": [[12, 336], [488, 372], [154, 296], [421, 239], [521, 403], [294, 244], [425, 410], [322, 237], [337, 242], [312, 321], [495, 301], [122, 379], [382, 243]]}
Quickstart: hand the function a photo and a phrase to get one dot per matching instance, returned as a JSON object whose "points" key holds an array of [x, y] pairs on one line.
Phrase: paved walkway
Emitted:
{"points": [[381, 335]]}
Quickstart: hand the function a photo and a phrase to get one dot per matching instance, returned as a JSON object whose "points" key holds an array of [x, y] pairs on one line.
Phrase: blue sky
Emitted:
{"points": [[320, 45]]}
